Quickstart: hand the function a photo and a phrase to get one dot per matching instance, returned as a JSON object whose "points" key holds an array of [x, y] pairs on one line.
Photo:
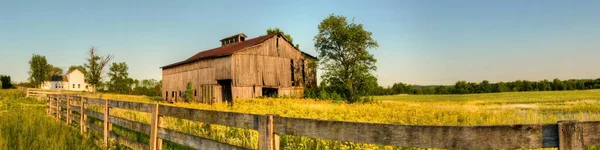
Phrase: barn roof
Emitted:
{"points": [[225, 50]]}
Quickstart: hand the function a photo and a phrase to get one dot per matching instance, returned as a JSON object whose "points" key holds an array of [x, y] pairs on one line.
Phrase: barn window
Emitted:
{"points": [[78, 86], [303, 72], [172, 93], [292, 71], [195, 94], [73, 85]]}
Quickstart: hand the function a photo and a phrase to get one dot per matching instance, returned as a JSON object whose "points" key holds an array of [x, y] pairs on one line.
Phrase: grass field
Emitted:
{"points": [[463, 110], [25, 125]]}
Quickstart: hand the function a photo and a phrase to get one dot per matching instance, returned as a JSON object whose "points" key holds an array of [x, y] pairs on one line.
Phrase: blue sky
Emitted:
{"points": [[421, 42]]}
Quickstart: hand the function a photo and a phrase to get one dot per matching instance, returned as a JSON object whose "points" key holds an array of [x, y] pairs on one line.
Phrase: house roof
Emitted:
{"points": [[226, 50], [56, 78]]}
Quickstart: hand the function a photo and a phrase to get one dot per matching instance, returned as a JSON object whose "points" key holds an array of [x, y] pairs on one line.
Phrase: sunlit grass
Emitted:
{"points": [[24, 125]]}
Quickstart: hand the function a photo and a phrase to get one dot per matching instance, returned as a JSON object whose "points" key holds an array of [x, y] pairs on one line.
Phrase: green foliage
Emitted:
{"points": [[6, 82], [463, 87], [94, 66], [287, 36], [119, 79], [149, 87], [38, 69], [53, 71], [24, 125], [189, 92], [342, 49], [81, 68]]}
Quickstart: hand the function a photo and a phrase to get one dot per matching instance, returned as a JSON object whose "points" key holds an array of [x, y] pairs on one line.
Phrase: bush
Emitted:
{"points": [[6, 83], [189, 93]]}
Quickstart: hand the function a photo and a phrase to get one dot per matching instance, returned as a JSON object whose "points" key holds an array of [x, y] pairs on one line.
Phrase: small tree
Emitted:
{"points": [[6, 83], [38, 69], [119, 78], [189, 92], [95, 66]]}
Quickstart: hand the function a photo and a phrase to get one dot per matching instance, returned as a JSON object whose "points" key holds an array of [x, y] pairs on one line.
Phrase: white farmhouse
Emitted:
{"points": [[72, 81], [55, 83]]}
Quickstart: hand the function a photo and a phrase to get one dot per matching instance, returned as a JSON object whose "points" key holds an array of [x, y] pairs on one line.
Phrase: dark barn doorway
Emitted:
{"points": [[226, 90], [269, 92]]}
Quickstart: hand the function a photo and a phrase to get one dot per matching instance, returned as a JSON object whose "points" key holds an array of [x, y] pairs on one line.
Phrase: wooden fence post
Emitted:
{"points": [[106, 122], [570, 135], [82, 124], [154, 128], [58, 107], [68, 109], [159, 141], [49, 105], [266, 136]]}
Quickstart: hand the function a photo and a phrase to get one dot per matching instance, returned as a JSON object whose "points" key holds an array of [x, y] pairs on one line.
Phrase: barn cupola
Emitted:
{"points": [[233, 39]]}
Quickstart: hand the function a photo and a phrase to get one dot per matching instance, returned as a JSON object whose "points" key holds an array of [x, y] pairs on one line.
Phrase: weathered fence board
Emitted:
{"points": [[132, 125], [143, 107], [128, 142], [193, 141], [94, 101], [454, 137], [94, 114], [591, 133], [239, 120], [76, 109]]}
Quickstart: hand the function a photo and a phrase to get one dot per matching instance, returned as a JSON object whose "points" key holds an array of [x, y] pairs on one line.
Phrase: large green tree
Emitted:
{"points": [[119, 78], [94, 66], [276, 30], [38, 69], [343, 50]]}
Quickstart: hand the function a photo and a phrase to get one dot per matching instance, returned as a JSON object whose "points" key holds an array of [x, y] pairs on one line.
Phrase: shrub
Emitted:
{"points": [[6, 83], [189, 93]]}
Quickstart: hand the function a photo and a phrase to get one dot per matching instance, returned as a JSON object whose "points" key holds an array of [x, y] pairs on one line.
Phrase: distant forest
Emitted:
{"points": [[463, 87]]}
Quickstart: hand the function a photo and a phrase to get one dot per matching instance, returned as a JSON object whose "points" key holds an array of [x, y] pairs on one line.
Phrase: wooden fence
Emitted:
{"points": [[31, 92], [564, 134]]}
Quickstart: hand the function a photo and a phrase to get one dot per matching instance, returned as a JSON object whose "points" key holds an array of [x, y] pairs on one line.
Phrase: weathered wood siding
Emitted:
{"points": [[270, 65], [297, 92], [199, 73], [245, 92]]}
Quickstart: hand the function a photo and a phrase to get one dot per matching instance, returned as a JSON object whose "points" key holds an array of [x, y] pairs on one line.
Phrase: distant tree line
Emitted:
{"points": [[463, 87]]}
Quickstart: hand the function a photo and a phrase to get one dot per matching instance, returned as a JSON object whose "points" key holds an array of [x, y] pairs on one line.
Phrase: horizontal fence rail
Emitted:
{"points": [[564, 134]]}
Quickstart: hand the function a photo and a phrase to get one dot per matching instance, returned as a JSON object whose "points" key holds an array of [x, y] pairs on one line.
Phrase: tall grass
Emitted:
{"points": [[24, 125]]}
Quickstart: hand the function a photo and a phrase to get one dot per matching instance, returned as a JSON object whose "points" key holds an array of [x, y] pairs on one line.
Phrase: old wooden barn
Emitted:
{"points": [[241, 68]]}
